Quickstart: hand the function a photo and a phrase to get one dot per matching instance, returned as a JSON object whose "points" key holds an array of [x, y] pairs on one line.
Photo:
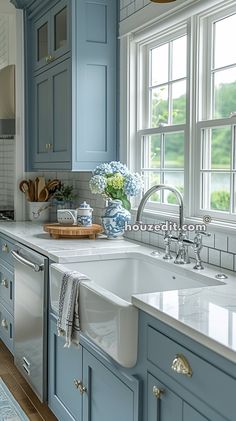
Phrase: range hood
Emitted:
{"points": [[7, 102]]}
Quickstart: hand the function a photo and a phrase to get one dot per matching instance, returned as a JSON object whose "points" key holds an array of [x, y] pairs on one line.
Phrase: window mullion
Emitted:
{"points": [[232, 176], [162, 165], [170, 101]]}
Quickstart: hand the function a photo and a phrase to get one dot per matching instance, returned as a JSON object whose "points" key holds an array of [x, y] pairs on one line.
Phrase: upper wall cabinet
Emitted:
{"points": [[71, 84], [51, 35]]}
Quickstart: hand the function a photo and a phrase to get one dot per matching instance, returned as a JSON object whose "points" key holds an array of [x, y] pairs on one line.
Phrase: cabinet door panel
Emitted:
{"points": [[61, 28], [43, 117], [107, 397], [167, 408], [41, 34], [65, 366], [61, 108], [52, 124], [190, 414], [96, 83]]}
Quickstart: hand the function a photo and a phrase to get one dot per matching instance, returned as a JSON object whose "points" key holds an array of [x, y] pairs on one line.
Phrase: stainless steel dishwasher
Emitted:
{"points": [[30, 324]]}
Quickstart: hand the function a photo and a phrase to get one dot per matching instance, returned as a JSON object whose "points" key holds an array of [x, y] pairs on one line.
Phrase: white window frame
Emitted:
{"points": [[144, 47], [131, 51], [204, 121]]}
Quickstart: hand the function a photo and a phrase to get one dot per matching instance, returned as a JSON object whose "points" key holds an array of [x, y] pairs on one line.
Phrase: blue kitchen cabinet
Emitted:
{"points": [[51, 125], [6, 292], [83, 386], [65, 369], [107, 397], [51, 35], [204, 391], [94, 66], [163, 404], [190, 414], [71, 113]]}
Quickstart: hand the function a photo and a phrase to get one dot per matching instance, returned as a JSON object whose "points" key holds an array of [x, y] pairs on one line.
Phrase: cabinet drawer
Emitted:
{"points": [[6, 287], [207, 382], [6, 327], [5, 250]]}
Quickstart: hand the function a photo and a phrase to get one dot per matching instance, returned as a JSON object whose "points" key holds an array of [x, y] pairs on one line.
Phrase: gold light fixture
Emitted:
{"points": [[162, 1]]}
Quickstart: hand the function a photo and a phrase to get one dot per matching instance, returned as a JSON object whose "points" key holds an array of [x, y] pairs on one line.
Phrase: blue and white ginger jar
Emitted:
{"points": [[84, 215], [114, 219]]}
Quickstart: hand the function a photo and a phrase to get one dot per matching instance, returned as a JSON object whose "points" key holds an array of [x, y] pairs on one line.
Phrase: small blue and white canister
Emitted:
{"points": [[84, 215]]}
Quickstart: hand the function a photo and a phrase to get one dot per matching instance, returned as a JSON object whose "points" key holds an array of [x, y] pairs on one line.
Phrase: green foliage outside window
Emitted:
{"points": [[225, 103]]}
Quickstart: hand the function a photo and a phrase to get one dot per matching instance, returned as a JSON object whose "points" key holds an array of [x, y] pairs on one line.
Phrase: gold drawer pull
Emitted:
{"points": [[79, 385], [4, 324], [5, 248], [181, 365], [157, 392], [4, 283]]}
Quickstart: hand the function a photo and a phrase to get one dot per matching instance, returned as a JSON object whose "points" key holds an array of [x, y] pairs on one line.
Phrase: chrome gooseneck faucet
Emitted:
{"points": [[155, 189], [181, 240]]}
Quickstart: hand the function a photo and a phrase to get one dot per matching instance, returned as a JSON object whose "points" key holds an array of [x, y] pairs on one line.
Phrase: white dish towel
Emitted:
{"points": [[68, 322]]}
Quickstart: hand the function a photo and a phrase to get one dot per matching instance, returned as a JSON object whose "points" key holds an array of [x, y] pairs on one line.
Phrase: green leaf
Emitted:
{"points": [[125, 202]]}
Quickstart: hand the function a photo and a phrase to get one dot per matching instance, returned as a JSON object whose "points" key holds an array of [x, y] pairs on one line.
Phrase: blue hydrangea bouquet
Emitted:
{"points": [[114, 181]]}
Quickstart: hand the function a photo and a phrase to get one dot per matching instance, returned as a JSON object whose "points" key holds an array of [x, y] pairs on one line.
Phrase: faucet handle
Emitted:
{"points": [[198, 232]]}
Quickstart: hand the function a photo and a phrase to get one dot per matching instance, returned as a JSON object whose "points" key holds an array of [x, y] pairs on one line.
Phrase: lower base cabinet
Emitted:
{"points": [[82, 388], [65, 367], [165, 405]]}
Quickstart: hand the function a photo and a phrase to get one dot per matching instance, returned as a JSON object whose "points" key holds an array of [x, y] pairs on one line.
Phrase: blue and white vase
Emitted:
{"points": [[114, 219]]}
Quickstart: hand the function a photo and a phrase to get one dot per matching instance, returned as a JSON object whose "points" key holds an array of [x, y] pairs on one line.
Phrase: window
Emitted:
{"points": [[185, 126], [164, 123], [216, 126]]}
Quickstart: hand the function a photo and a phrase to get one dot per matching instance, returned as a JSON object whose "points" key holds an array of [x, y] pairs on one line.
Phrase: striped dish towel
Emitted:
{"points": [[68, 322]]}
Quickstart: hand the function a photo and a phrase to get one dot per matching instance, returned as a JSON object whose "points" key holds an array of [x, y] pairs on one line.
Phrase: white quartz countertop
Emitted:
{"points": [[62, 250], [206, 314]]}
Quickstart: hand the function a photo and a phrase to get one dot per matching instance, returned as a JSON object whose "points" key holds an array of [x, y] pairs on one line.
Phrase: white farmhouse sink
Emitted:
{"points": [[107, 315]]}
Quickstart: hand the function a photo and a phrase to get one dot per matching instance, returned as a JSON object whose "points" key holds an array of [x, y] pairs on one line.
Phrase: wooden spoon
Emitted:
{"points": [[24, 187], [43, 195], [36, 188], [41, 184], [52, 184], [31, 191]]}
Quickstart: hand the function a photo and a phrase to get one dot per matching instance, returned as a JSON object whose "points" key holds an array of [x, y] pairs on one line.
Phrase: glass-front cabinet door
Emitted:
{"points": [[60, 28], [52, 35], [42, 41]]}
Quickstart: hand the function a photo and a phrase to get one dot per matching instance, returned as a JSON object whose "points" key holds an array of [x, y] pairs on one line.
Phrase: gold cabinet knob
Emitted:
{"points": [[4, 283], [4, 324], [79, 385], [181, 365], [49, 59], [5, 248], [157, 392]]}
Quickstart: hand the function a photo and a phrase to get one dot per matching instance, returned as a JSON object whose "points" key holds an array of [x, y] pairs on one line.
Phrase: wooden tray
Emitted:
{"points": [[72, 231]]}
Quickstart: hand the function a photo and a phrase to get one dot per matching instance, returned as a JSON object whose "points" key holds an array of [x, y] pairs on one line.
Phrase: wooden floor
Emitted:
{"points": [[34, 409]]}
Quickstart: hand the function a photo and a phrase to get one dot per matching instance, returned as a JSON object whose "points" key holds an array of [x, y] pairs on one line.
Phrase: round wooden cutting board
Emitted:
{"points": [[57, 231]]}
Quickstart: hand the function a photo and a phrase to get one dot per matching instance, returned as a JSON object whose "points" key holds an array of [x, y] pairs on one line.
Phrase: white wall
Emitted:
{"points": [[7, 7]]}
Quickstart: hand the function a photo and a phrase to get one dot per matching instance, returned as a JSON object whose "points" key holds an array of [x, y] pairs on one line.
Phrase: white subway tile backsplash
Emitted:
{"points": [[154, 240], [227, 261], [7, 171], [221, 241], [214, 257], [209, 241], [232, 244], [128, 7]]}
